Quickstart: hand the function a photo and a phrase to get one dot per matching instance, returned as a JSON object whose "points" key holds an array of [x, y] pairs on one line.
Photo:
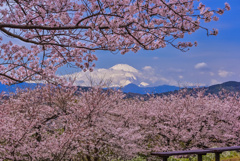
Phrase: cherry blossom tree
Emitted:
{"points": [[50, 123], [47, 34]]}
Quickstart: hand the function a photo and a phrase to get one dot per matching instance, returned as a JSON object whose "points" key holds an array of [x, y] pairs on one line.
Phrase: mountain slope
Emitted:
{"points": [[227, 87], [132, 88], [13, 88], [231, 86]]}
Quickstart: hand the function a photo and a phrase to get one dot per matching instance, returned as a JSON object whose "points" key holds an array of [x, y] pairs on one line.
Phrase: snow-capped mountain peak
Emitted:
{"points": [[124, 67]]}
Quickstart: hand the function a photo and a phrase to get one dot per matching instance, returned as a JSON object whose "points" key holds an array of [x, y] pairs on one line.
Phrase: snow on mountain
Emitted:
{"points": [[143, 84], [121, 75], [124, 67]]}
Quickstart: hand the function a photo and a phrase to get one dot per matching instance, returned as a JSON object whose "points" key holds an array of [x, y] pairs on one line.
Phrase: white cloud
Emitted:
{"points": [[224, 73], [147, 68], [202, 65], [180, 77]]}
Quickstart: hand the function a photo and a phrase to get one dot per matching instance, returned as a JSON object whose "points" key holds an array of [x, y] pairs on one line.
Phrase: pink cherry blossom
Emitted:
{"points": [[58, 123]]}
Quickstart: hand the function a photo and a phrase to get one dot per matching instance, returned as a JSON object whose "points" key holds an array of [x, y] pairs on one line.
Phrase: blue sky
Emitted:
{"points": [[216, 59]]}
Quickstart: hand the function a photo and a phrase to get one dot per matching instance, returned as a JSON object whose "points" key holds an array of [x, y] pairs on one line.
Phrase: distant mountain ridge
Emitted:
{"points": [[132, 90], [232, 86], [226, 87], [13, 88]]}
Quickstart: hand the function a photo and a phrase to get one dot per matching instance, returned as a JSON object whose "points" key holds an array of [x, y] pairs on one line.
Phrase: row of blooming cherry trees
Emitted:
{"points": [[48, 34], [50, 123]]}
